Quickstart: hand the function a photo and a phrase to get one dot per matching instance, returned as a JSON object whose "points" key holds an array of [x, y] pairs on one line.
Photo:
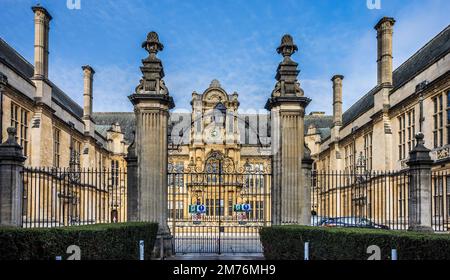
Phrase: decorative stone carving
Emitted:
{"points": [[287, 72], [152, 70]]}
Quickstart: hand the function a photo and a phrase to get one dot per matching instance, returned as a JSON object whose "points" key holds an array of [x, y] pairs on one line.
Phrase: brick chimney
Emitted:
{"points": [[385, 30]]}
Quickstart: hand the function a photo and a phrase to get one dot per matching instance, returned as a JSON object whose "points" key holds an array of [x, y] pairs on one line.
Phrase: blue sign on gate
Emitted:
{"points": [[242, 207]]}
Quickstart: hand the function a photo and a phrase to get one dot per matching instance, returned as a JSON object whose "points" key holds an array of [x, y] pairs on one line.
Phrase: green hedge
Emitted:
{"points": [[287, 243], [97, 242]]}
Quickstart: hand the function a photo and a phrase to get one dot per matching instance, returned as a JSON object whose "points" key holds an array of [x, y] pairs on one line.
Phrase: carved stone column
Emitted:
{"points": [[151, 105], [287, 105]]}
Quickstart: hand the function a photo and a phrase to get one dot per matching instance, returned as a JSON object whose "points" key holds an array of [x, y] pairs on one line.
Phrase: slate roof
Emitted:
{"points": [[126, 121], [434, 50], [322, 123], [102, 129], [361, 106], [13, 59]]}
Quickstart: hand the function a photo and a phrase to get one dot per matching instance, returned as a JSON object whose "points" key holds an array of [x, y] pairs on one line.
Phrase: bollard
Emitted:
{"points": [[394, 254], [141, 250], [306, 251]]}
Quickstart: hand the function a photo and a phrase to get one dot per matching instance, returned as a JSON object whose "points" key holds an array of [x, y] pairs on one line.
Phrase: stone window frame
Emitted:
{"points": [[56, 147], [438, 121], [368, 150], [349, 161], [75, 152], [438, 196], [406, 133], [448, 115], [20, 119], [179, 209], [349, 157], [115, 173]]}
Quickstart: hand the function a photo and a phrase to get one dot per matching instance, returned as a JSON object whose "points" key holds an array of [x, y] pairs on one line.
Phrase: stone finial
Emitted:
{"points": [[152, 44], [420, 153], [420, 139], [215, 84], [12, 132], [287, 47]]}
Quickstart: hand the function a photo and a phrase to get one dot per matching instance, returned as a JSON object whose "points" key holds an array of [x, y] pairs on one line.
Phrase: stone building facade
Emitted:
{"points": [[379, 129], [52, 128]]}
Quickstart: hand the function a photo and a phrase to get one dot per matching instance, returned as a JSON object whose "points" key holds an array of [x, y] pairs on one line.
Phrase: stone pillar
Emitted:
{"points": [[419, 203], [88, 78], [11, 184], [384, 30], [42, 20], [151, 105], [132, 184], [287, 105]]}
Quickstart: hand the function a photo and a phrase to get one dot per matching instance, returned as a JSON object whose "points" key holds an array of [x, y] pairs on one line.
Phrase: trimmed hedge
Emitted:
{"points": [[96, 242], [287, 243]]}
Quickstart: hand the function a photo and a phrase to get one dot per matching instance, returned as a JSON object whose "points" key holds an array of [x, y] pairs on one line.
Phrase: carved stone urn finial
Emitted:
{"points": [[12, 132], [287, 47], [152, 44]]}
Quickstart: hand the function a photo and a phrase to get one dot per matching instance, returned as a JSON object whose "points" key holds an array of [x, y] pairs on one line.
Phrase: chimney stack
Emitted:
{"points": [[385, 29], [337, 99], [88, 77], [41, 30]]}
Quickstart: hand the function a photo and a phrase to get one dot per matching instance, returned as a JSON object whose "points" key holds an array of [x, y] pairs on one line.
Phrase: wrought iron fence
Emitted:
{"points": [[374, 199], [55, 197], [218, 208]]}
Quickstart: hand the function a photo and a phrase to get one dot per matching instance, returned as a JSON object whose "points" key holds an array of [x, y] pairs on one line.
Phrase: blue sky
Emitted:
{"points": [[233, 41]]}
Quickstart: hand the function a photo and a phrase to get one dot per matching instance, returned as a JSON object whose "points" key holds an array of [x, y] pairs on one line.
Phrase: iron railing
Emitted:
{"points": [[234, 204], [55, 197], [374, 199]]}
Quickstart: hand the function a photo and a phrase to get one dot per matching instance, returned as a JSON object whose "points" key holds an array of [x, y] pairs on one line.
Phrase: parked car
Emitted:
{"points": [[358, 222]]}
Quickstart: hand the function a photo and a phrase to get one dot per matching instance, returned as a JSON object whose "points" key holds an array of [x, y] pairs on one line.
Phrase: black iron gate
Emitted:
{"points": [[218, 208]]}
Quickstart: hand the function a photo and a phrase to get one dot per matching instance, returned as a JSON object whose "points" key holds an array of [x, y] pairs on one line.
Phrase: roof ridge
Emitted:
{"points": [[422, 48]]}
